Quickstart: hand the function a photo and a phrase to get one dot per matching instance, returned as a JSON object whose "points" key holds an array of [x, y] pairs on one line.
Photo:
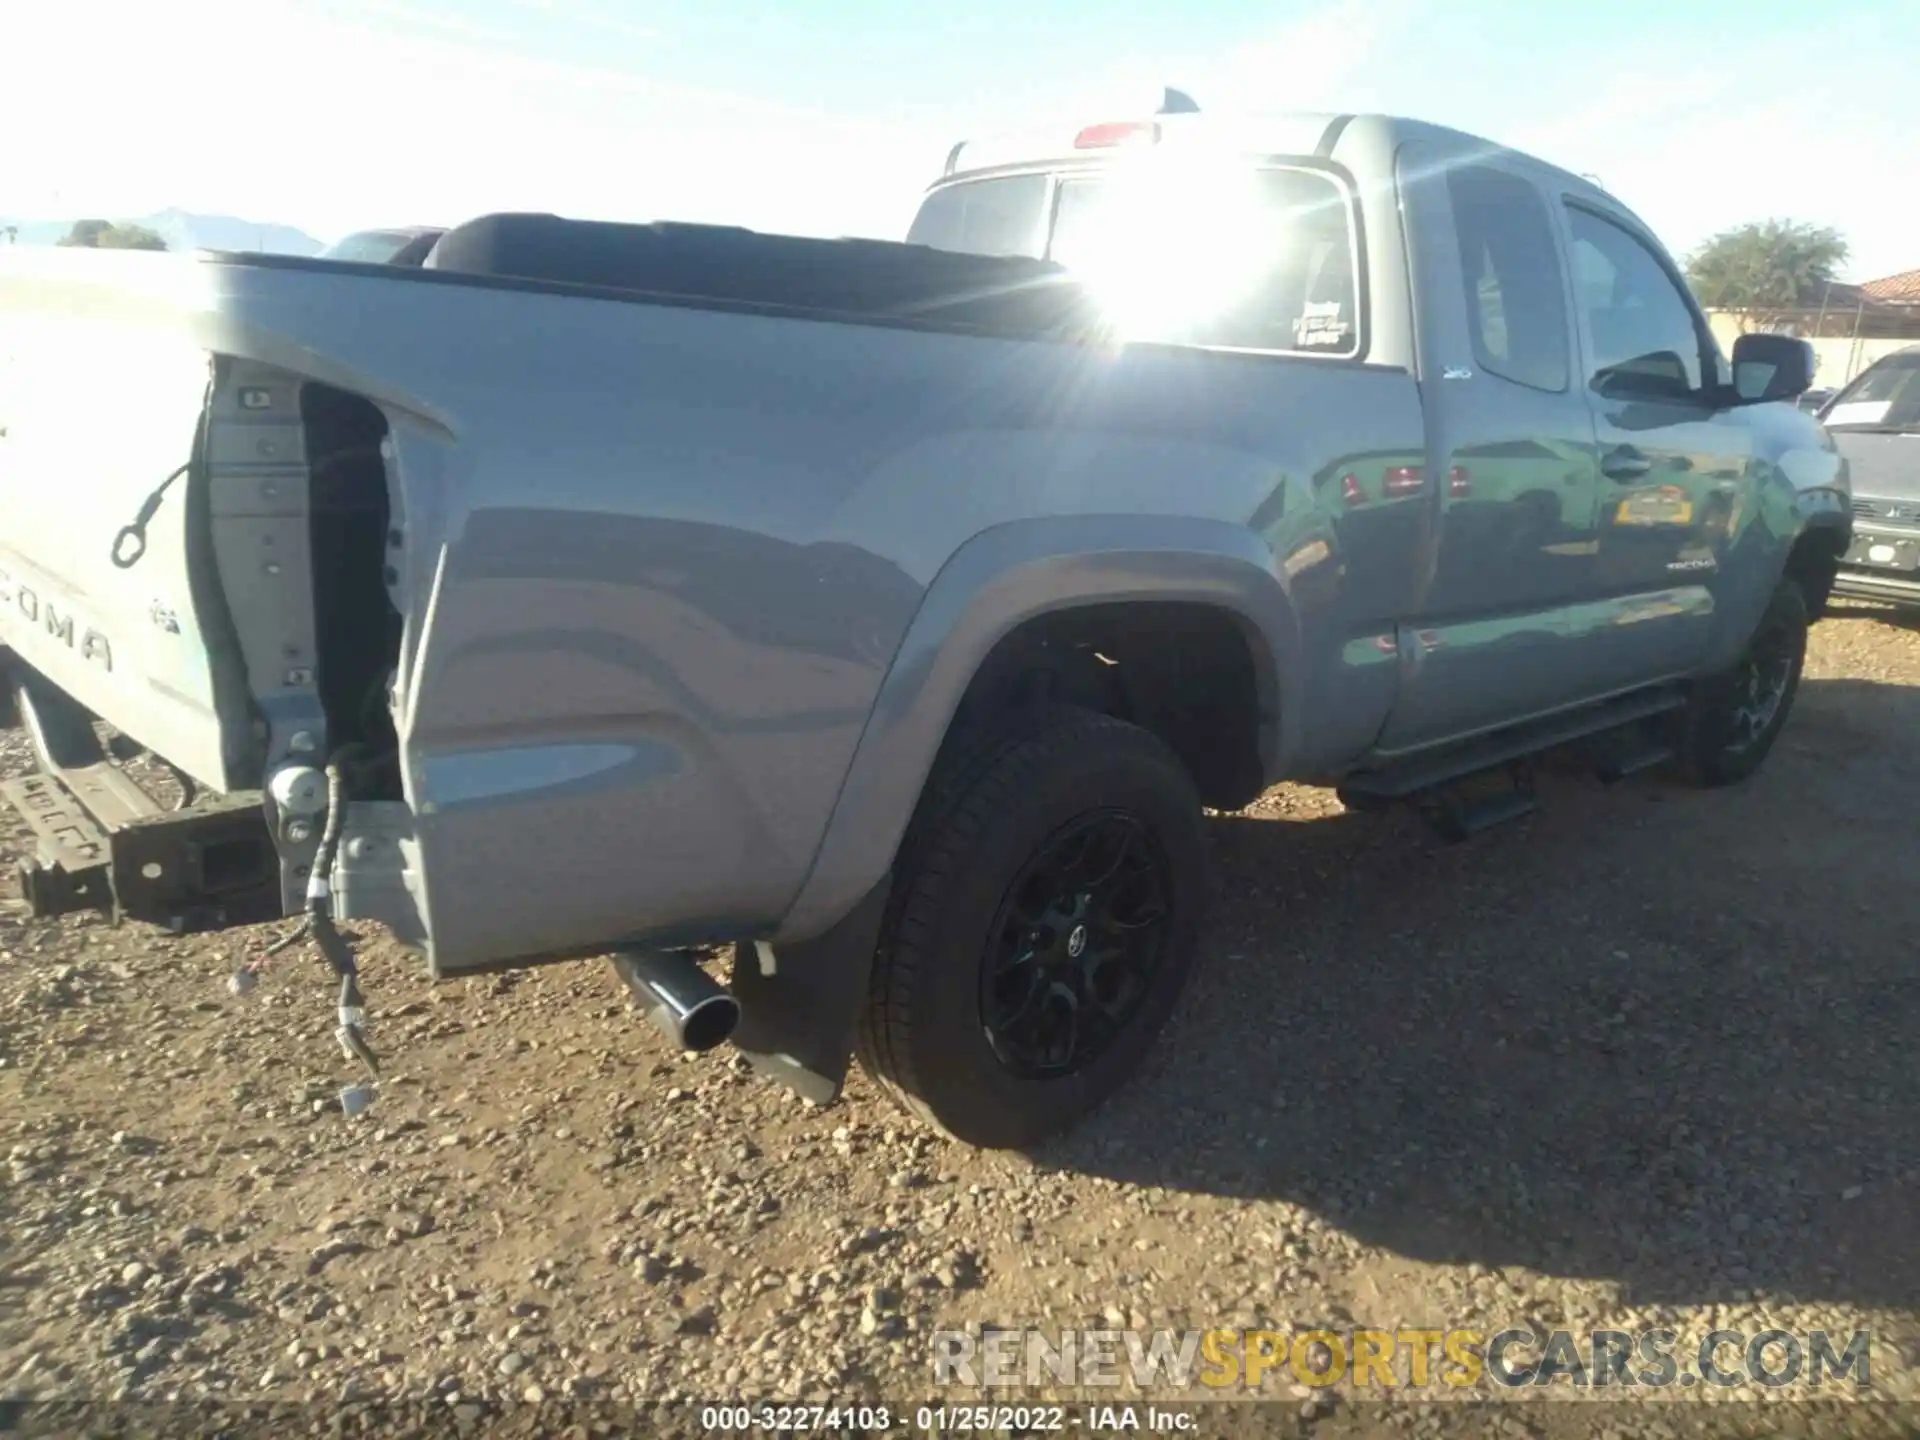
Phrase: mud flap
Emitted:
{"points": [[796, 1025]]}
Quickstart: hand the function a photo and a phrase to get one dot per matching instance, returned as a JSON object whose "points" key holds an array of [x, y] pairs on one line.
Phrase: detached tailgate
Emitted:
{"points": [[102, 388]]}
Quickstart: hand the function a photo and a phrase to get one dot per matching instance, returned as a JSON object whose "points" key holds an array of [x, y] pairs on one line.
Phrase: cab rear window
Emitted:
{"points": [[1001, 217], [1232, 257]]}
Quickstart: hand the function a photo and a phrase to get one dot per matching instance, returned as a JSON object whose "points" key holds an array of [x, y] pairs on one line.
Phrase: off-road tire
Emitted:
{"points": [[1713, 746], [987, 811]]}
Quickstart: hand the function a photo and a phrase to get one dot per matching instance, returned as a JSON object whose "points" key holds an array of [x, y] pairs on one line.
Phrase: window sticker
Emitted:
{"points": [[1320, 325], [1859, 412]]}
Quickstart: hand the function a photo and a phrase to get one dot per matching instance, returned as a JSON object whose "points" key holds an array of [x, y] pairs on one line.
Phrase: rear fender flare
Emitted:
{"points": [[997, 581]]}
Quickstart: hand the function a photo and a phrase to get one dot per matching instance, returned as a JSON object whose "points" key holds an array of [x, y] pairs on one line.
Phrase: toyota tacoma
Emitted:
{"points": [[890, 613]]}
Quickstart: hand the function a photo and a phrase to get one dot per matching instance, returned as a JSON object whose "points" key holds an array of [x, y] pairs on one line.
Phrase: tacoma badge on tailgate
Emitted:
{"points": [[57, 621]]}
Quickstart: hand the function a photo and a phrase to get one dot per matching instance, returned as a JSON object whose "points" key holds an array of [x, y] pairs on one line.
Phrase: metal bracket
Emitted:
{"points": [[70, 871], [207, 866]]}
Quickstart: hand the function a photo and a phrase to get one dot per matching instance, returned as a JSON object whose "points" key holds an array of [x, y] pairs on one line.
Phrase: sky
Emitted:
{"points": [[831, 116]]}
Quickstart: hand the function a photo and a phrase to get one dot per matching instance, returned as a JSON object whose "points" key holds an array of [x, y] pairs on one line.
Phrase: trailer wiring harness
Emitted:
{"points": [[350, 1029]]}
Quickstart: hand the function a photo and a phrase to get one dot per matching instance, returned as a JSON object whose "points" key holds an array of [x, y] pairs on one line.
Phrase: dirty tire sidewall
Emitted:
{"points": [[923, 1035], [1708, 753]]}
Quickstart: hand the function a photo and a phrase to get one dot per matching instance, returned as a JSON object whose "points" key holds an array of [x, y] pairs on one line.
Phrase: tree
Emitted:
{"points": [[1766, 269], [105, 235]]}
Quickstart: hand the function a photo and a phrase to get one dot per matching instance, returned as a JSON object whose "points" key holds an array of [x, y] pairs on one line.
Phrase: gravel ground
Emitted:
{"points": [[1642, 1060]]}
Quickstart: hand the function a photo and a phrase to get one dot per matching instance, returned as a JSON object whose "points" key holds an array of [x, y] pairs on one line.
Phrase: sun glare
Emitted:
{"points": [[1169, 247]]}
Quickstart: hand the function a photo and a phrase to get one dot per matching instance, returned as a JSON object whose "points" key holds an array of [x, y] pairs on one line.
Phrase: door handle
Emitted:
{"points": [[1625, 463]]}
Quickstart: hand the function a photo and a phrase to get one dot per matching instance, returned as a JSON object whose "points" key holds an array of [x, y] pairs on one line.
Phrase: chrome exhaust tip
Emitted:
{"points": [[683, 1002]]}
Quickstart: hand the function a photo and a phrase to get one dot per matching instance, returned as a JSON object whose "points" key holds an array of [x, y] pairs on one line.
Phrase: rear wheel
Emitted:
{"points": [[1046, 913], [1733, 719]]}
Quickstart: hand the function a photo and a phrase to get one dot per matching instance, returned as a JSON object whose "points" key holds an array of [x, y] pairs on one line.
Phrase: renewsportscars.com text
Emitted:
{"points": [[1451, 1359]]}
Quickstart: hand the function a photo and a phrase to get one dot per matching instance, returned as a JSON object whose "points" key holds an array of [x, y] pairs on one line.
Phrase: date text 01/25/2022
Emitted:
{"points": [[946, 1419], [954, 1419]]}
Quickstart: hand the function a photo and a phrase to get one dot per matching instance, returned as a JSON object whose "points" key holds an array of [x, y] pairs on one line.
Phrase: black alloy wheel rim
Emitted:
{"points": [[1076, 944], [1760, 686]]}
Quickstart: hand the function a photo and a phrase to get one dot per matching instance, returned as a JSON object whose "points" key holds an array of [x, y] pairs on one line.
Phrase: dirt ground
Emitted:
{"points": [[1643, 1060]]}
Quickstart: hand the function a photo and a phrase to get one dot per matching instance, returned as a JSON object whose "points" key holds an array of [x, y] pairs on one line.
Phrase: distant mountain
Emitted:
{"points": [[185, 230]]}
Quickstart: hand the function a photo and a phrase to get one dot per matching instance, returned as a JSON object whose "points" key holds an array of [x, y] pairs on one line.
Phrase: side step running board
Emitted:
{"points": [[1459, 819], [1370, 789], [1615, 768]]}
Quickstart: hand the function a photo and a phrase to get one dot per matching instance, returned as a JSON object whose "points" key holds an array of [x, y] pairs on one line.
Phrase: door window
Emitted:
{"points": [[1510, 268], [1645, 342]]}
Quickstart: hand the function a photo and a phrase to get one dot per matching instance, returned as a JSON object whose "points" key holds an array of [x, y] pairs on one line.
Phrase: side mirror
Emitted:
{"points": [[1771, 367]]}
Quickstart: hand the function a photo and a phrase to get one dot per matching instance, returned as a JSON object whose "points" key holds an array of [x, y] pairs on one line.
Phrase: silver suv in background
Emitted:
{"points": [[1875, 421]]}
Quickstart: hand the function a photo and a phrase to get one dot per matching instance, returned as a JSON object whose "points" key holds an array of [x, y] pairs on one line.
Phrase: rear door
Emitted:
{"points": [[1493, 632], [1677, 469]]}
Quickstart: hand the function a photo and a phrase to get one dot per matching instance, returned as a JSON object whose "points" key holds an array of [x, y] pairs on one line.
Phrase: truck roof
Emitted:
{"points": [[1180, 123]]}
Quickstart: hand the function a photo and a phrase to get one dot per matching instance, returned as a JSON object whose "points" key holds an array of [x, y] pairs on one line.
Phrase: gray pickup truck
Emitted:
{"points": [[887, 612]]}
